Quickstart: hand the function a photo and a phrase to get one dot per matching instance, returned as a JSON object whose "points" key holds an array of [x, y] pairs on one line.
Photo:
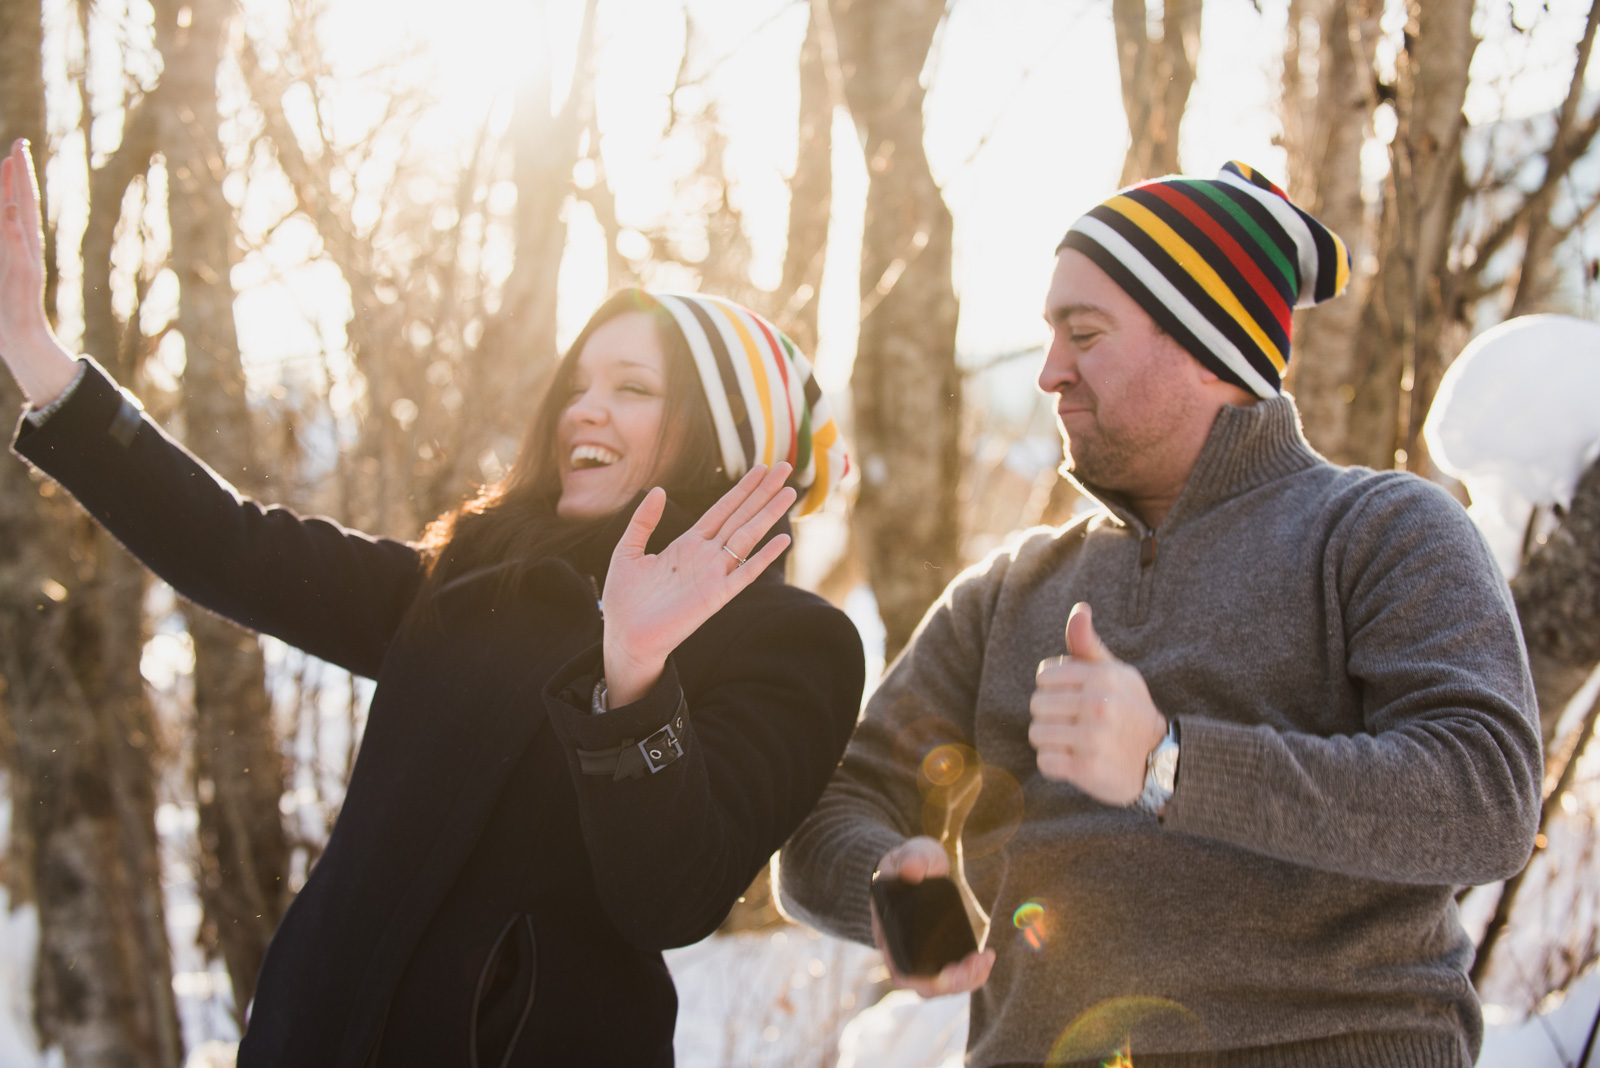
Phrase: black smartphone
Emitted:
{"points": [[924, 924]]}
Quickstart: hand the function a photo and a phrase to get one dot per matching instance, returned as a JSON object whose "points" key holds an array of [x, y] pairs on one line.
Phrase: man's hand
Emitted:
{"points": [[913, 861], [1094, 723]]}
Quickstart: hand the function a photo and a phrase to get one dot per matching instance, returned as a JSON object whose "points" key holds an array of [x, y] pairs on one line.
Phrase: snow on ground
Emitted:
{"points": [[1517, 420], [905, 1030], [771, 999], [1554, 1038]]}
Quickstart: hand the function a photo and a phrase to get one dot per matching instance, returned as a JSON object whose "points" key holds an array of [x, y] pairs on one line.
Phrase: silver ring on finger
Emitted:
{"points": [[742, 560]]}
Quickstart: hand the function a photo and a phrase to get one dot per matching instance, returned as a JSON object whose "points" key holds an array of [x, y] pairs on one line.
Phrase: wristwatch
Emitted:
{"points": [[1160, 774]]}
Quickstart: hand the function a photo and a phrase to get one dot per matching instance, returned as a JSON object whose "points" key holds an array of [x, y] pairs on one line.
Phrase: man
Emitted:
{"points": [[1226, 827]]}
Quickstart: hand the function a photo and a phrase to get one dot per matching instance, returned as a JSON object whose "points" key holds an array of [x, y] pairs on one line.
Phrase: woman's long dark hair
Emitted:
{"points": [[514, 522]]}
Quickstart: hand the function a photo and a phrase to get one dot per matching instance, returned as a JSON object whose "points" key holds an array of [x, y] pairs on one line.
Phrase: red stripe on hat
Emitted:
{"points": [[1231, 248], [783, 370]]}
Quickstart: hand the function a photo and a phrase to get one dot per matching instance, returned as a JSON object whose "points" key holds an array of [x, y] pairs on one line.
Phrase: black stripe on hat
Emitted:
{"points": [[1156, 309], [1186, 284], [1218, 260], [1272, 228], [730, 378], [1327, 259]]}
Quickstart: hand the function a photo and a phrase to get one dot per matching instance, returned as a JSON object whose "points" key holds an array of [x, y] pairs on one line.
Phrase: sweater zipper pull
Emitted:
{"points": [[598, 603], [1147, 550]]}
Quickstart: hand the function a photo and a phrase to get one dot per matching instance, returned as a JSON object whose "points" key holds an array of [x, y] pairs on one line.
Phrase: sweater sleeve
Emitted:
{"points": [[335, 593], [875, 801], [1443, 785], [672, 851]]}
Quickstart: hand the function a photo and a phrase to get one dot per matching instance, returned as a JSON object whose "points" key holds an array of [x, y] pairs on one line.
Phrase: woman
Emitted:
{"points": [[595, 717]]}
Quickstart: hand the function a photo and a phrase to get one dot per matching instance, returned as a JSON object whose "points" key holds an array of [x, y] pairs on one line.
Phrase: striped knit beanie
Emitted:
{"points": [[1218, 264], [764, 400]]}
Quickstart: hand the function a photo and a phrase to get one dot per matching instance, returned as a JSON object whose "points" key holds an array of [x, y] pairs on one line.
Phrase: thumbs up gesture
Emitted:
{"points": [[1093, 720]]}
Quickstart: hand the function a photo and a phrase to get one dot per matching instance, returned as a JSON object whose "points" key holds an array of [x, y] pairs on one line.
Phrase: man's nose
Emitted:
{"points": [[1060, 366]]}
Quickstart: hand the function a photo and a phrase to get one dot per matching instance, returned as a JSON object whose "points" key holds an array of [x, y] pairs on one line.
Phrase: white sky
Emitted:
{"points": [[1033, 82], [1025, 130]]}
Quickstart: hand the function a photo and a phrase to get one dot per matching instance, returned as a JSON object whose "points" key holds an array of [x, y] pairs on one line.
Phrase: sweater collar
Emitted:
{"points": [[1247, 448]]}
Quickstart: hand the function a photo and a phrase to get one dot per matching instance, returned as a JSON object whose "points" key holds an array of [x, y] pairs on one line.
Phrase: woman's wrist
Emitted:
{"points": [[41, 367], [627, 680]]}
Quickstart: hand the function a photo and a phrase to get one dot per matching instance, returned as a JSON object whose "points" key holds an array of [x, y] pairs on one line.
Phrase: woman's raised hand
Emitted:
{"points": [[652, 603], [41, 366]]}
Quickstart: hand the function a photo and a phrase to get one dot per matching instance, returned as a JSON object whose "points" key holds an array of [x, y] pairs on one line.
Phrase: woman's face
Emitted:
{"points": [[608, 435]]}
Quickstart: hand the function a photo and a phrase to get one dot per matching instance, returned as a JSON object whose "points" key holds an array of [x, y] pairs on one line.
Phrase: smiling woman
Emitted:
{"points": [[599, 709], [613, 434]]}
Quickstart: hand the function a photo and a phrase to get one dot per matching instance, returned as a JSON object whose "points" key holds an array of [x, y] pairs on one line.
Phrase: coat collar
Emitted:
{"points": [[1247, 448], [592, 556]]}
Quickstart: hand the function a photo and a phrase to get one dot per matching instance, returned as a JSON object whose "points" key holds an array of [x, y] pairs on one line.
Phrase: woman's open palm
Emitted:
{"points": [[652, 603], [21, 251]]}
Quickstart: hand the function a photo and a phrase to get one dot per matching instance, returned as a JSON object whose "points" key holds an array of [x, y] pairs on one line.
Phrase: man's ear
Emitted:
{"points": [[1214, 383]]}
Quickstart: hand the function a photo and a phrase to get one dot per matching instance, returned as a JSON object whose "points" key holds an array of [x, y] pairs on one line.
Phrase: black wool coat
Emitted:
{"points": [[482, 899]]}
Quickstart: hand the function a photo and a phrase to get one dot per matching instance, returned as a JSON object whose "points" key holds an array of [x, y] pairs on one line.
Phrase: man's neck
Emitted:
{"points": [[1160, 489]]}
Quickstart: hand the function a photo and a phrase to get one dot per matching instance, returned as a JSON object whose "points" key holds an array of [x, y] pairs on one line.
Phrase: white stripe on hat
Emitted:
{"points": [[1294, 226], [752, 396], [1164, 291], [740, 360], [705, 362]]}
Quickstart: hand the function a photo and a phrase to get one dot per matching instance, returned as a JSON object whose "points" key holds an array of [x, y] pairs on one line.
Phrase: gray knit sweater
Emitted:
{"points": [[1359, 736]]}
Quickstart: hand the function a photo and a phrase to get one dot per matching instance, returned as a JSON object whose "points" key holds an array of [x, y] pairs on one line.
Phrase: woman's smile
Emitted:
{"points": [[609, 437]]}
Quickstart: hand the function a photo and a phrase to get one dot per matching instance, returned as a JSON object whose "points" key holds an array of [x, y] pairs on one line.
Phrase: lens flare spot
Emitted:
{"points": [[920, 735], [997, 815], [1110, 1032], [1031, 921], [944, 765]]}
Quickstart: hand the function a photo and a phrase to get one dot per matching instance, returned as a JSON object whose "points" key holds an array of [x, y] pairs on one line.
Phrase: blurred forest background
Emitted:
{"points": [[337, 245]]}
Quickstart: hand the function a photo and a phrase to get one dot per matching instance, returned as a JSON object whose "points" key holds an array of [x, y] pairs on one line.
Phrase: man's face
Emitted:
{"points": [[1130, 400]]}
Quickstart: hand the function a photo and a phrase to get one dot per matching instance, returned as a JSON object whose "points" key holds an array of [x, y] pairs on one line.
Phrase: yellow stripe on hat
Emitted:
{"points": [[1341, 275], [1197, 267], [821, 442], [752, 351]]}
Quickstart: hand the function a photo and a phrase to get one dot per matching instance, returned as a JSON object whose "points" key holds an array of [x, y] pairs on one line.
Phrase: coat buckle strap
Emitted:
{"points": [[661, 748], [631, 759]]}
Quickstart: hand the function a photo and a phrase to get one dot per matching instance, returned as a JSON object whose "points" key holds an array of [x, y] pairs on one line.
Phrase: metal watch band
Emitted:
{"points": [[1160, 773]]}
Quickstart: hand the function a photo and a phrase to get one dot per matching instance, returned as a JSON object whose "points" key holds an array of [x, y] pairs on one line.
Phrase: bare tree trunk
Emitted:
{"points": [[1157, 75], [1557, 592], [545, 149], [1543, 235], [1403, 323], [238, 766], [810, 195], [1326, 126], [23, 112], [70, 643], [23, 513], [1558, 602], [810, 198], [906, 386]]}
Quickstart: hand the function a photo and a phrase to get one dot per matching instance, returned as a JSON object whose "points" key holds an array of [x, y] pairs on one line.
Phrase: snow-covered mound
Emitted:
{"points": [[1517, 420]]}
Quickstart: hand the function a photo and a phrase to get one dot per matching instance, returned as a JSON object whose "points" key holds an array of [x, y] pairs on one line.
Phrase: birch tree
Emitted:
{"points": [[1157, 60], [82, 738], [239, 769], [905, 384]]}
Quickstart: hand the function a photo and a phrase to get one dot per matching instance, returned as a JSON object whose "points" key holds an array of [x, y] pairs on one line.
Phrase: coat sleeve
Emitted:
{"points": [[875, 800], [1443, 785], [672, 851], [335, 593]]}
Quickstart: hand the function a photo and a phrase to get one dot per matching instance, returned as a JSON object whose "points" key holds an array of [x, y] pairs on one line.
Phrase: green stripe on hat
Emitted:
{"points": [[1186, 254]]}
